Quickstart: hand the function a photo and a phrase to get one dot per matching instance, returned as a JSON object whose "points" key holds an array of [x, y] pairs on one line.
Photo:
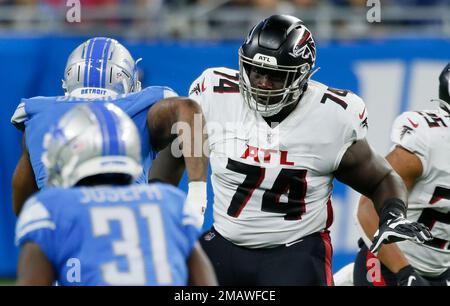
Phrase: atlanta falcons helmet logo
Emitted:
{"points": [[305, 46]]}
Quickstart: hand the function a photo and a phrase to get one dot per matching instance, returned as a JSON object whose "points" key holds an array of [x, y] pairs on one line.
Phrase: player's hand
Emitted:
{"points": [[396, 228], [407, 276]]}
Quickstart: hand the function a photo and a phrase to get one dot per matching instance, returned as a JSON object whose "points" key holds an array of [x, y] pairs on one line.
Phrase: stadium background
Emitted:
{"points": [[392, 73]]}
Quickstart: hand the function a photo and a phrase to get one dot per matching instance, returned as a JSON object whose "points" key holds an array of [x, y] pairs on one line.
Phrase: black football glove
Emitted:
{"points": [[395, 227], [407, 277]]}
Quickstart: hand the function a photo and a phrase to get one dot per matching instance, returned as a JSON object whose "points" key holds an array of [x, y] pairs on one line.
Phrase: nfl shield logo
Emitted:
{"points": [[209, 236]]}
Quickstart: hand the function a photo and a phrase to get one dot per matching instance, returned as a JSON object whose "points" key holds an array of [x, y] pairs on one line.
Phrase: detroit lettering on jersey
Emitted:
{"points": [[36, 115], [273, 184], [133, 235]]}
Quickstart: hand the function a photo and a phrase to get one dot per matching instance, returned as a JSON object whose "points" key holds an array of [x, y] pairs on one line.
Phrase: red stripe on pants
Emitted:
{"points": [[328, 253]]}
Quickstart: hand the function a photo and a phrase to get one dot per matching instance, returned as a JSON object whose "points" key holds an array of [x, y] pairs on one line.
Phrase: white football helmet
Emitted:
{"points": [[100, 67], [91, 139]]}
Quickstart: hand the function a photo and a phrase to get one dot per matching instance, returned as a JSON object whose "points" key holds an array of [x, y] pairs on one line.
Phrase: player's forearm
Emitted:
{"points": [[392, 257], [371, 175], [197, 168], [18, 199], [367, 217], [194, 141], [23, 180], [389, 254], [390, 195], [167, 168], [34, 268], [23, 186]]}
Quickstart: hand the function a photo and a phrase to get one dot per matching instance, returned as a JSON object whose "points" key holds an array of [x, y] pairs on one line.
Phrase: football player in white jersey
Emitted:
{"points": [[421, 157], [277, 140]]}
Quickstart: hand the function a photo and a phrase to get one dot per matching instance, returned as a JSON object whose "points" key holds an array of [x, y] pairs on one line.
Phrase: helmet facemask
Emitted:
{"points": [[270, 102]]}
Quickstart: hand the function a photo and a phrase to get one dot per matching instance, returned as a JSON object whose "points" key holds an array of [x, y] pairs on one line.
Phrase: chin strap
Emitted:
{"points": [[64, 87], [136, 83], [313, 72], [125, 87]]}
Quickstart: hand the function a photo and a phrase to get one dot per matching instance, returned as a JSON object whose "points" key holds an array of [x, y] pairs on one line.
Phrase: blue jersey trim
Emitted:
{"points": [[96, 62], [104, 61], [110, 144]]}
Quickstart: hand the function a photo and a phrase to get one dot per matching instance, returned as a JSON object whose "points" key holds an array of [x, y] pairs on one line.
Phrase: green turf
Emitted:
{"points": [[7, 282]]}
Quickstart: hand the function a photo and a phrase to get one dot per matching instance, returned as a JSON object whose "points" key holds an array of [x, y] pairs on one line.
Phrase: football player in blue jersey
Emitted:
{"points": [[93, 226], [101, 70]]}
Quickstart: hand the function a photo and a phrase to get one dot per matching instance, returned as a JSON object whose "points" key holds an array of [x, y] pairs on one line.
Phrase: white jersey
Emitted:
{"points": [[427, 134], [273, 186]]}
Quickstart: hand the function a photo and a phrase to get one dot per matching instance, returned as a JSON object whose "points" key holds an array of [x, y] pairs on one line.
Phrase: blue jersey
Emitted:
{"points": [[132, 235], [37, 114]]}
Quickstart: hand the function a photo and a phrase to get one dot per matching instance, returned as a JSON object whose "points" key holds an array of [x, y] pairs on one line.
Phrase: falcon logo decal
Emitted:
{"points": [[305, 46]]}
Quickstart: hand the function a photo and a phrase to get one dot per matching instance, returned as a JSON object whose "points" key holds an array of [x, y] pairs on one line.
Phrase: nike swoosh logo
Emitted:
{"points": [[448, 282], [203, 86], [293, 242], [411, 279], [413, 123], [362, 114]]}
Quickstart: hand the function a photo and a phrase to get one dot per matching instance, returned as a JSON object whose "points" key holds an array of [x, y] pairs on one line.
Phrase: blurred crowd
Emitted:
{"points": [[213, 19], [252, 3]]}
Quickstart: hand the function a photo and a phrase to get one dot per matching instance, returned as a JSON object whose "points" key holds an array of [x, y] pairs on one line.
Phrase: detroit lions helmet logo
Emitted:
{"points": [[305, 46]]}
